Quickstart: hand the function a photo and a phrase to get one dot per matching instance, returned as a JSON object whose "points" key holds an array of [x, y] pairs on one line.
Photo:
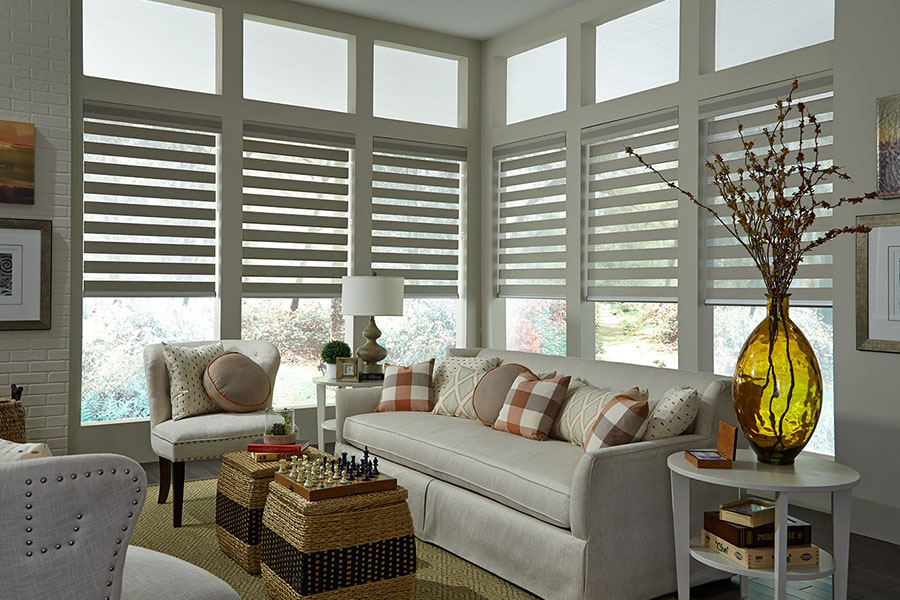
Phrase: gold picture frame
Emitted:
{"points": [[878, 284], [347, 369]]}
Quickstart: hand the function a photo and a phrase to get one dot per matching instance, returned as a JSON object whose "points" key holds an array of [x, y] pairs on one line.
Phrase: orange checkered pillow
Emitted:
{"points": [[407, 388], [532, 405]]}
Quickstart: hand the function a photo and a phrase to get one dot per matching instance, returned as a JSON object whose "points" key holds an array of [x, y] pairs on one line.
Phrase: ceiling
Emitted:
{"points": [[476, 19]]}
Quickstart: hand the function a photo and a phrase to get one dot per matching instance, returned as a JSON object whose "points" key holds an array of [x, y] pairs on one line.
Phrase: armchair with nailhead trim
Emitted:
{"points": [[66, 523]]}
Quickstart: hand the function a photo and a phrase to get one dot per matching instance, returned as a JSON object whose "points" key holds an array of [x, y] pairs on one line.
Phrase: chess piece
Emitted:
{"points": [[282, 466], [309, 483], [294, 468], [375, 468], [344, 480]]}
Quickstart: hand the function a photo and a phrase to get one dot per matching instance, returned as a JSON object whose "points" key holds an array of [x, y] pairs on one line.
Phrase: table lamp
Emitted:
{"points": [[371, 296]]}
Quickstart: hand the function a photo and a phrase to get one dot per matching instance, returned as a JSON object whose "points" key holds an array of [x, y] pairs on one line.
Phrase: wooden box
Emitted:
{"points": [[760, 558]]}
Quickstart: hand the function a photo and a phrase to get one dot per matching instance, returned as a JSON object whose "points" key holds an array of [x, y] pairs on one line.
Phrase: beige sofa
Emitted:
{"points": [[559, 522]]}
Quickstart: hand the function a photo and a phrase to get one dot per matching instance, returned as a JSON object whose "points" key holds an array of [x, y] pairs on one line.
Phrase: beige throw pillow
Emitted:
{"points": [[236, 383], [445, 368], [580, 411], [457, 398], [673, 414], [186, 366]]}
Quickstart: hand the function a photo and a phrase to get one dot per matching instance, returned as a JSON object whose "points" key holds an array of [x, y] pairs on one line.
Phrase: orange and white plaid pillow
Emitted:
{"points": [[622, 420], [407, 388], [532, 405]]}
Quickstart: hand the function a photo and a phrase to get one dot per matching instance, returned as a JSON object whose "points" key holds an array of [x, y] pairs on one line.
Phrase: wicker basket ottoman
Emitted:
{"points": [[345, 548], [240, 497], [12, 421]]}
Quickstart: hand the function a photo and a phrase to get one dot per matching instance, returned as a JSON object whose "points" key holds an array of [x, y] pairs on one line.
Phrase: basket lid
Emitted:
{"points": [[245, 463]]}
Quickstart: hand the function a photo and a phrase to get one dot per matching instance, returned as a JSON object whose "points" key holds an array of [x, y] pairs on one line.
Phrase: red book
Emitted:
{"points": [[278, 448]]}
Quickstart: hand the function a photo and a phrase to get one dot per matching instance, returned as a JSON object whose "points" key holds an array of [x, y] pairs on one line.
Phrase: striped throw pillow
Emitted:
{"points": [[622, 420], [531, 406], [457, 397], [580, 411], [407, 388]]}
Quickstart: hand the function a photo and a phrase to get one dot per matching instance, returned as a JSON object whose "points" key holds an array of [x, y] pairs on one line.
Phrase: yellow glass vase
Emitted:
{"points": [[777, 387]]}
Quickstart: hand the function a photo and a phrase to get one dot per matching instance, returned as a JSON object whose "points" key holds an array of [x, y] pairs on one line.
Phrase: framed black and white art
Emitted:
{"points": [[25, 274]]}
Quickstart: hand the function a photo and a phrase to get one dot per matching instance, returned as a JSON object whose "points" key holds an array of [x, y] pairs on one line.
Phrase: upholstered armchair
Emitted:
{"points": [[202, 436], [66, 525]]}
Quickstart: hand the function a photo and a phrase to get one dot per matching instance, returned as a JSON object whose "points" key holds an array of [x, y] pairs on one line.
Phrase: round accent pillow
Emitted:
{"points": [[673, 414], [491, 391], [236, 383]]}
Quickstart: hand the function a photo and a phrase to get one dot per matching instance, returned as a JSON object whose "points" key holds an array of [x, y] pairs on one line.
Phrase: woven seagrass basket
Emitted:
{"points": [[12, 421], [241, 492], [346, 548]]}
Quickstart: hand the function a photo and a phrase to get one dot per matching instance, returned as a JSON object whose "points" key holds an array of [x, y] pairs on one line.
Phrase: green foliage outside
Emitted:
{"points": [[426, 329], [536, 325]]}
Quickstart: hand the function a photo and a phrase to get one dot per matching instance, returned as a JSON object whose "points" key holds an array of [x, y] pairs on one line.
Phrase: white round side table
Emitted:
{"points": [[321, 384], [807, 474]]}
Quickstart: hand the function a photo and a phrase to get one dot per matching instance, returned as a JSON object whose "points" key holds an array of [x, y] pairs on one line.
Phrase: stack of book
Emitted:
{"points": [[744, 532], [271, 452]]}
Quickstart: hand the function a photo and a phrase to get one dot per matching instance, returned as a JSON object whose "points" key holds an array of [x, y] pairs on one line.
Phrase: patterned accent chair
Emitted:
{"points": [[202, 436], [66, 525]]}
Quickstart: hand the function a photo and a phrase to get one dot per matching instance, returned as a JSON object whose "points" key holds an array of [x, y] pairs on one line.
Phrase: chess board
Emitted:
{"points": [[361, 477]]}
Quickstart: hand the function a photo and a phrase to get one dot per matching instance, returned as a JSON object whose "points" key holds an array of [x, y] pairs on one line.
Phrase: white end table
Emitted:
{"points": [[322, 383], [807, 474]]}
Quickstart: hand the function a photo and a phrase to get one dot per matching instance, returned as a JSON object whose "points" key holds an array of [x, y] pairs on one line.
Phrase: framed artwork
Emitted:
{"points": [[347, 369], [25, 274], [878, 284], [16, 162]]}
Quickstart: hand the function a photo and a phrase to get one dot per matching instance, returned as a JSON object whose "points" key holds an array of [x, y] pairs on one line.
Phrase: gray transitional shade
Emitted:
{"points": [[149, 202], [729, 273], [632, 216], [416, 214], [531, 217], [296, 203]]}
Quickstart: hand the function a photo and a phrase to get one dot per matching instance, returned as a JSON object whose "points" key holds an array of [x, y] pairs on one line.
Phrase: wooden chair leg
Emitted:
{"points": [[165, 476], [177, 493]]}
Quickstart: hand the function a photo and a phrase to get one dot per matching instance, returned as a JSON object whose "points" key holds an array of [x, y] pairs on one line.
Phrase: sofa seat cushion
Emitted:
{"points": [[152, 575], [206, 436], [530, 476]]}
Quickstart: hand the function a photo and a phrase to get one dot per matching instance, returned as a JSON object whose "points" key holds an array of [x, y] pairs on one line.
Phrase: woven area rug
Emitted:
{"points": [[440, 575]]}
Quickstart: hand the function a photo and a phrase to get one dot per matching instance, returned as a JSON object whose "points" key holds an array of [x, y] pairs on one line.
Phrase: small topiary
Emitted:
{"points": [[334, 350]]}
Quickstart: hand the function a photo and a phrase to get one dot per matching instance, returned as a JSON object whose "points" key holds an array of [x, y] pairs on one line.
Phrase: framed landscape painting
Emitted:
{"points": [[16, 162], [25, 274]]}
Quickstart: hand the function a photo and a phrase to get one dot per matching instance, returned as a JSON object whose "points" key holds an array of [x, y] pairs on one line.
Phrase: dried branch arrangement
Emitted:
{"points": [[772, 197]]}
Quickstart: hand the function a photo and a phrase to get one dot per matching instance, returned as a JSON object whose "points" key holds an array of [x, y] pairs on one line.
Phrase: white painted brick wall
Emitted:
{"points": [[35, 87]]}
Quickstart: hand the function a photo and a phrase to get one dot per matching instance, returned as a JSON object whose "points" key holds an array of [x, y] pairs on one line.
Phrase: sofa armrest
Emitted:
{"points": [[621, 483], [349, 402]]}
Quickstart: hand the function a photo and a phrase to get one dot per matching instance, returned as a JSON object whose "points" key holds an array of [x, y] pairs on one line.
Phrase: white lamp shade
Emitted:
{"points": [[371, 295]]}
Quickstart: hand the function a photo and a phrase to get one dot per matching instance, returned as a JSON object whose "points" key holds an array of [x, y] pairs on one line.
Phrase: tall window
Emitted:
{"points": [[748, 31], [632, 239], [638, 51], [291, 64], [536, 82], [531, 242], [169, 44], [416, 85], [733, 285], [149, 247], [416, 208]]}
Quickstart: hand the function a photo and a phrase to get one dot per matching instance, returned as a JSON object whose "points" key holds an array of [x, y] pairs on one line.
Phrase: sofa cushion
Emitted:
{"points": [[673, 414], [152, 575], [186, 366], [236, 383], [456, 399], [446, 366], [531, 406], [534, 478], [206, 436], [407, 388], [580, 411], [491, 391], [622, 420]]}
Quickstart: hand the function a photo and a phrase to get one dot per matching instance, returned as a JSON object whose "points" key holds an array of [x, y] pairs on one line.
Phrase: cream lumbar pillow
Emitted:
{"points": [[186, 366], [12, 452], [236, 383], [580, 411], [673, 414], [445, 368], [457, 399]]}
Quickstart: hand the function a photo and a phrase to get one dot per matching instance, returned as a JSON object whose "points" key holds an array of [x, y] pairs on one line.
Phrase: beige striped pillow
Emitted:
{"points": [[580, 410]]}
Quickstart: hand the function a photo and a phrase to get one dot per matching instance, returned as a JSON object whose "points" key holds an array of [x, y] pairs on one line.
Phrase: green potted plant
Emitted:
{"points": [[332, 351], [279, 431]]}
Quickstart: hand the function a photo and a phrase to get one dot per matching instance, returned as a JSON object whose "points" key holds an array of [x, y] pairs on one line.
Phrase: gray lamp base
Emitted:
{"points": [[371, 352]]}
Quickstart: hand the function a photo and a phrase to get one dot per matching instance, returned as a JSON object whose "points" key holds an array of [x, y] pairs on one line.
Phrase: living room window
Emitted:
{"points": [[536, 325], [732, 284], [299, 327], [149, 247], [536, 82], [427, 328], [749, 31], [168, 44], [641, 333], [411, 84], [638, 51], [291, 64]]}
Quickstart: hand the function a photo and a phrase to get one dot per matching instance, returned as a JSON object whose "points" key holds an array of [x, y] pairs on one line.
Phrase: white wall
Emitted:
{"points": [[867, 406], [35, 87]]}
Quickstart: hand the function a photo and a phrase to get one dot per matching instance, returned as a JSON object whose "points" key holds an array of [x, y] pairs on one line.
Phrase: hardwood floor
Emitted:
{"points": [[874, 565]]}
